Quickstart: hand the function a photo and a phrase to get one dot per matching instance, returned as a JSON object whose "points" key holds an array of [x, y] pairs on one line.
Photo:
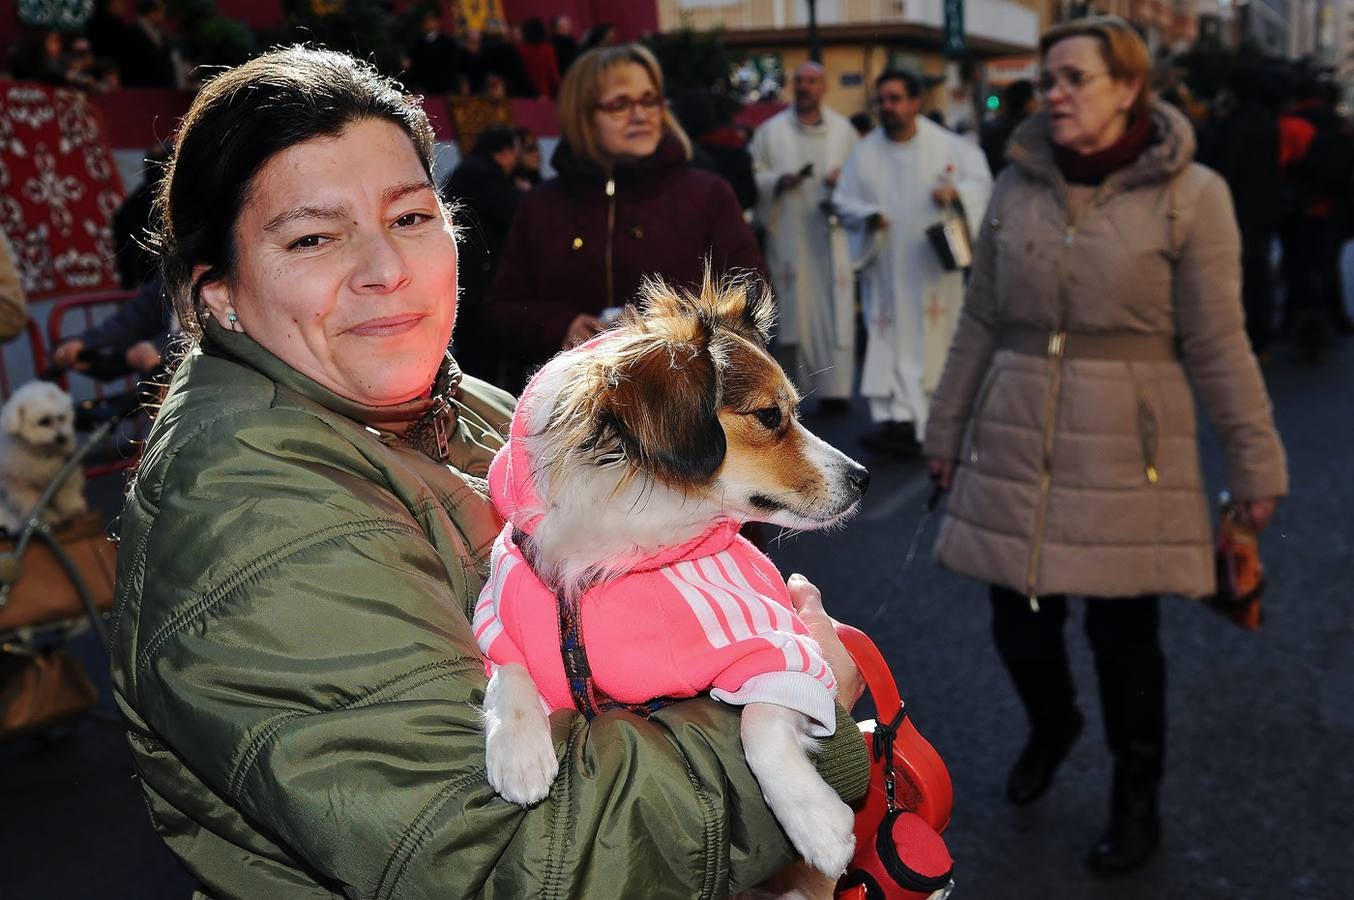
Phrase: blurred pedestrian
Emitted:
{"points": [[716, 145], [148, 59], [564, 42], [136, 338], [1018, 103], [901, 179], [1106, 280], [482, 186], [1318, 159], [625, 205], [1241, 143], [434, 60], [474, 66], [798, 154], [538, 58]]}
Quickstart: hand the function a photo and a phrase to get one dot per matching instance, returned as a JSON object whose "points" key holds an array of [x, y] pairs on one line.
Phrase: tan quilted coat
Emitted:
{"points": [[1081, 475]]}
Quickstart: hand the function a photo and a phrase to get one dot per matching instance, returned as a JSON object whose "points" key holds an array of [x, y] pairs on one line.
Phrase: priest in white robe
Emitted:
{"points": [[902, 178], [797, 156]]}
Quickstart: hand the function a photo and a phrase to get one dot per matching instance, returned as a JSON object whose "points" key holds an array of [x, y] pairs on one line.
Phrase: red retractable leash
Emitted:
{"points": [[900, 854]]}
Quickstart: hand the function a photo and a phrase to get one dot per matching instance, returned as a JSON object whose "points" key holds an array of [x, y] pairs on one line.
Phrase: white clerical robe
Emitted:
{"points": [[911, 303], [815, 298]]}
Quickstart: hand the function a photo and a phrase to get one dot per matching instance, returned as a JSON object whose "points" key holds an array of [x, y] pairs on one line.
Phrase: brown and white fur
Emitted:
{"points": [[640, 442], [37, 436]]}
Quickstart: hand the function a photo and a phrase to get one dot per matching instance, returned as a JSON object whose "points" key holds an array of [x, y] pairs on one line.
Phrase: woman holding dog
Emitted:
{"points": [[308, 531], [1106, 279], [625, 205]]}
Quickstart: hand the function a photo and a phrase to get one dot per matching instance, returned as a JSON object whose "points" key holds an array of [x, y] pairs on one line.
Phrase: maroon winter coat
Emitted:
{"points": [[663, 219]]}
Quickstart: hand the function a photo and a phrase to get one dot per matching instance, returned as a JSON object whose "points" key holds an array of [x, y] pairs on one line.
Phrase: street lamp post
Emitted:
{"points": [[815, 46]]}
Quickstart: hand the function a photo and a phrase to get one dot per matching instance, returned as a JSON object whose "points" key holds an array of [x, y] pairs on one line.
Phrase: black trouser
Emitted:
{"points": [[1130, 667]]}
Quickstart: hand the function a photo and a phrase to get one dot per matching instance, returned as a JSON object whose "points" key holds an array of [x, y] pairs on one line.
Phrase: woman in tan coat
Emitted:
{"points": [[1106, 279]]}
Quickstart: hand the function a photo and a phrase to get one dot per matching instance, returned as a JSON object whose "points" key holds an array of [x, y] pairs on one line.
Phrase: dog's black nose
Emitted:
{"points": [[62, 440], [859, 476]]}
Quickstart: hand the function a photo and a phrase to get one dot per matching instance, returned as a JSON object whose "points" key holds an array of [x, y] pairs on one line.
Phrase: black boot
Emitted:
{"points": [[1132, 675], [893, 439], [1134, 829], [1031, 646], [1033, 772]]}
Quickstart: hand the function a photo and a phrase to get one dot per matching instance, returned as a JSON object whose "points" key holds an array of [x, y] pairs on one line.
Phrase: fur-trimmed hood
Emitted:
{"points": [[1170, 152]]}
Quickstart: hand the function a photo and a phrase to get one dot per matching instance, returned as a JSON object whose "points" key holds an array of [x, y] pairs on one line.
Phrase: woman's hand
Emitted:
{"points": [[808, 603], [1259, 512], [581, 329], [942, 472], [67, 354]]}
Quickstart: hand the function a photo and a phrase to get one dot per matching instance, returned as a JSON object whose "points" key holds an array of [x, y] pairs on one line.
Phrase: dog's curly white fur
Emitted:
{"points": [[37, 436], [680, 417]]}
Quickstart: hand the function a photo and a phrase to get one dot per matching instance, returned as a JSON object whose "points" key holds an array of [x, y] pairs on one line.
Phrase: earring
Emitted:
{"points": [[232, 318]]}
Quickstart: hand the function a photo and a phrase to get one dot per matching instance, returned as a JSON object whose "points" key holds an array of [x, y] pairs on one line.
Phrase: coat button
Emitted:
{"points": [[578, 243], [637, 231]]}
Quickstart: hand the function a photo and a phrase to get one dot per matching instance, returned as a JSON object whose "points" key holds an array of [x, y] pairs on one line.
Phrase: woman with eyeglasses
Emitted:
{"points": [[1106, 280], [625, 205]]}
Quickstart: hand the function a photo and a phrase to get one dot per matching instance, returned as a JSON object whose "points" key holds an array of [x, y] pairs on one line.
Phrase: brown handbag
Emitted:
{"points": [[1241, 575], [41, 691], [44, 591]]}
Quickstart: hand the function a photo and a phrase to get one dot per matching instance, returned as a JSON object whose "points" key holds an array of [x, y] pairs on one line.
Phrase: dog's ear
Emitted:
{"points": [[12, 418], [660, 402], [741, 303]]}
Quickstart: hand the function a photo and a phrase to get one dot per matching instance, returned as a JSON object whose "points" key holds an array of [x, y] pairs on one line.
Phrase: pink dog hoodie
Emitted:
{"points": [[710, 615]]}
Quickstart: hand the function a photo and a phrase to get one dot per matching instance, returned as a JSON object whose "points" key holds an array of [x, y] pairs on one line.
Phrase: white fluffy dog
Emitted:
{"points": [[37, 436]]}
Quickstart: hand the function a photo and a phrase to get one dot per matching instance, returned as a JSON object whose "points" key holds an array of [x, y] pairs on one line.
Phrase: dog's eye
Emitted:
{"points": [[45, 421], [769, 417]]}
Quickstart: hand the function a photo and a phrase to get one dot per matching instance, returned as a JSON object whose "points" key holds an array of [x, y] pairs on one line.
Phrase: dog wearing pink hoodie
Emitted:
{"points": [[620, 580]]}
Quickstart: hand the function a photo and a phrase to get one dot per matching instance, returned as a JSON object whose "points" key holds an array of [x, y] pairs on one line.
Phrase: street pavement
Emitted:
{"points": [[1259, 791]]}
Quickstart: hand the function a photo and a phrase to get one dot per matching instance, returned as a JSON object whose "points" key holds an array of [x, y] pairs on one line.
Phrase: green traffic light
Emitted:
{"points": [[993, 102]]}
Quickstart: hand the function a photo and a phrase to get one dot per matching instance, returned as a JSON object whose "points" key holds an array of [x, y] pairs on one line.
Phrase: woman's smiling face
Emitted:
{"points": [[345, 265]]}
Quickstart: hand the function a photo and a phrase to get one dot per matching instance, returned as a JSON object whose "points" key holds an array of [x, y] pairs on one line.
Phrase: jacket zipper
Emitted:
{"points": [[1057, 344], [1147, 434], [610, 237]]}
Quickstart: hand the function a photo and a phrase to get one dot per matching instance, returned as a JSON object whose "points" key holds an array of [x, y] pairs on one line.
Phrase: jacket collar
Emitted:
{"points": [[668, 155], [414, 422], [1172, 150]]}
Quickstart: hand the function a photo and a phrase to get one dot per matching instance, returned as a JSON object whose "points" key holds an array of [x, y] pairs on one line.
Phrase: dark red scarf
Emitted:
{"points": [[1093, 168]]}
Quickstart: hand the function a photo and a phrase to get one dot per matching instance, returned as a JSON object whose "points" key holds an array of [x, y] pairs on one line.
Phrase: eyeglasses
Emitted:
{"points": [[1070, 80], [624, 106]]}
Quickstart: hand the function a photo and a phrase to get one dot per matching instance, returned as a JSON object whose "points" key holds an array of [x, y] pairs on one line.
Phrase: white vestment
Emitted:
{"points": [[815, 299], [911, 303]]}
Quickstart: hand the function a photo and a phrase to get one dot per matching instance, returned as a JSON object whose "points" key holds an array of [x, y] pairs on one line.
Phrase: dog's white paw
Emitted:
{"points": [[823, 834], [520, 757]]}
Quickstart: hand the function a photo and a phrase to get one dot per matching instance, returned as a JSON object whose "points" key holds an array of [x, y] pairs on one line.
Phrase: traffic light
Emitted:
{"points": [[993, 102]]}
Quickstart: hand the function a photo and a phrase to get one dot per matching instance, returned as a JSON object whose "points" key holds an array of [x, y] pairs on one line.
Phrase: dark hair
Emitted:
{"points": [[495, 139], [1016, 95], [910, 81], [862, 122], [240, 120], [533, 31]]}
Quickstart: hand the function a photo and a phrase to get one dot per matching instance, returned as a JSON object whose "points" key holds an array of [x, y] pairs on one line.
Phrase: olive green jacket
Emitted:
{"points": [[292, 654]]}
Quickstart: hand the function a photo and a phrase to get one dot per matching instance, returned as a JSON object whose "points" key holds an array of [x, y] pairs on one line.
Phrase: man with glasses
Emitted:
{"points": [[797, 156], [904, 177]]}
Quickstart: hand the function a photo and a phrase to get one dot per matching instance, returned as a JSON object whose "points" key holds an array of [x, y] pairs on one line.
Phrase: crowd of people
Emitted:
{"points": [[136, 44], [1052, 294]]}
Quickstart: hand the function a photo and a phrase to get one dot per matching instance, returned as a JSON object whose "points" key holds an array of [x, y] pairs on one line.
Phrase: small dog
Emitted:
{"points": [[37, 437], [631, 463]]}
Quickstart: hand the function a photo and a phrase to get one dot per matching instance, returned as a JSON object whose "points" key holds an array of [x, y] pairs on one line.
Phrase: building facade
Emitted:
{"points": [[861, 38]]}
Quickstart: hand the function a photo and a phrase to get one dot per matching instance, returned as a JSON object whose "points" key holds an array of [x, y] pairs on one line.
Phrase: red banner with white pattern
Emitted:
{"points": [[60, 190]]}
